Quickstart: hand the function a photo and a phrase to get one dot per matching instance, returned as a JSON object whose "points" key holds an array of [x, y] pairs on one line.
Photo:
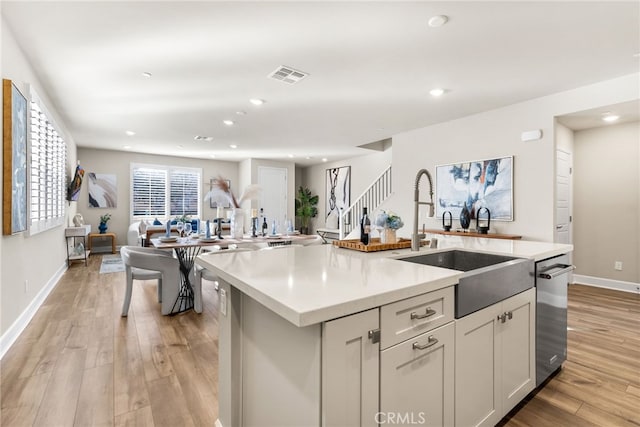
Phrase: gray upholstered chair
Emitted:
{"points": [[148, 264]]}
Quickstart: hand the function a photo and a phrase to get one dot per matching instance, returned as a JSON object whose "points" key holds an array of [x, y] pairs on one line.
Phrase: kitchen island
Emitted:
{"points": [[300, 339]]}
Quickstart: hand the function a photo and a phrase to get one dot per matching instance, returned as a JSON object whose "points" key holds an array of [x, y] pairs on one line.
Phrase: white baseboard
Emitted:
{"points": [[599, 282], [14, 331]]}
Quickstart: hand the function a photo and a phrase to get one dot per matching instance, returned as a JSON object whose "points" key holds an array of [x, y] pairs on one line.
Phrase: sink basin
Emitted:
{"points": [[487, 278]]}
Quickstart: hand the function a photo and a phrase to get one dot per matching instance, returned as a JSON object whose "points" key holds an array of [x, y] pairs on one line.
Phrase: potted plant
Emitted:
{"points": [[306, 208], [103, 223]]}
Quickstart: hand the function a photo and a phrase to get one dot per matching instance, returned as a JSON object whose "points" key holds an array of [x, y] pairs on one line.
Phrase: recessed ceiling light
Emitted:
{"points": [[257, 101], [436, 92], [290, 156], [608, 117], [233, 146], [147, 74], [129, 132], [213, 156], [308, 157], [228, 122], [241, 113], [438, 21], [126, 147], [324, 159]]}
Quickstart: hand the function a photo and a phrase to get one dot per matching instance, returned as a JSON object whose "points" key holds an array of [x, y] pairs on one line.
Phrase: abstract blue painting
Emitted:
{"points": [[14, 104], [480, 183]]}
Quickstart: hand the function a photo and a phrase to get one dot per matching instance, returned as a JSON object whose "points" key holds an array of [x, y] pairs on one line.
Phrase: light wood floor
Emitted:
{"points": [[79, 363], [599, 384]]}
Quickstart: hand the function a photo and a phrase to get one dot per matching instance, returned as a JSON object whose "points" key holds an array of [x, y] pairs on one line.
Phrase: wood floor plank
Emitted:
{"points": [[130, 387], [603, 418], [60, 399], [95, 405], [21, 400], [169, 403], [198, 389], [139, 418]]}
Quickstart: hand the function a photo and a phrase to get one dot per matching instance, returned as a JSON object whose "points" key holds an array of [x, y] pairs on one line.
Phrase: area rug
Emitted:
{"points": [[111, 264]]}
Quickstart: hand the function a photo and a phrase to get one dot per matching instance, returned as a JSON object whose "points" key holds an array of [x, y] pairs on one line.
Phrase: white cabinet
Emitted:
{"points": [[495, 360], [416, 380], [350, 366], [411, 381]]}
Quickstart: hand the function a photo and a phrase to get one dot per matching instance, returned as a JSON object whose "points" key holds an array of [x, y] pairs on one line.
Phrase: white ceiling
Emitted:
{"points": [[371, 65]]}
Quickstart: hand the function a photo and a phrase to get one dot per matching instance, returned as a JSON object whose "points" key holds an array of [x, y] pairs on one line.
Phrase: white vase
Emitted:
{"points": [[237, 223], [388, 235]]}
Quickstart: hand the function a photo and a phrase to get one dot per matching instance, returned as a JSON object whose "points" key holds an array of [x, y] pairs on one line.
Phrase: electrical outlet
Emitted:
{"points": [[618, 265], [223, 302]]}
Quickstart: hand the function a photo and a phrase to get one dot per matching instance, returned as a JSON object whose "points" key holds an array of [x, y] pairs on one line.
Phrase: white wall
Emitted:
{"points": [[119, 163], [364, 170], [607, 202], [496, 133], [20, 282]]}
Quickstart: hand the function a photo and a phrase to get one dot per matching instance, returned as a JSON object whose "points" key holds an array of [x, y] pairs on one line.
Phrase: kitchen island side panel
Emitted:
{"points": [[274, 366]]}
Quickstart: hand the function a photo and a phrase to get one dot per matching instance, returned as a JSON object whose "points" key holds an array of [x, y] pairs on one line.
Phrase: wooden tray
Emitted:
{"points": [[375, 244]]}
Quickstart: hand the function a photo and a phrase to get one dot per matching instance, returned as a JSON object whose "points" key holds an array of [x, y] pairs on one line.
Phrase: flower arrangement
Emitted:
{"points": [[183, 218], [104, 218], [389, 220]]}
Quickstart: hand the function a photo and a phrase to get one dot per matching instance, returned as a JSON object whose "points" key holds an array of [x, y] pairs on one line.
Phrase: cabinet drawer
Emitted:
{"points": [[418, 382], [413, 316]]}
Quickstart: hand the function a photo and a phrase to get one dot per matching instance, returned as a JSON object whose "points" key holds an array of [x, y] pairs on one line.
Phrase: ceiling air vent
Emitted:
{"points": [[288, 75], [203, 138]]}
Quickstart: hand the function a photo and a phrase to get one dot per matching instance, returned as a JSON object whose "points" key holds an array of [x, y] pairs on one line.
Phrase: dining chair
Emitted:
{"points": [[203, 273], [147, 264]]}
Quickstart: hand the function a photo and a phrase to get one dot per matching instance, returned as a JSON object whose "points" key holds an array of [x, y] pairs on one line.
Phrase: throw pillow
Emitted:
{"points": [[156, 222]]}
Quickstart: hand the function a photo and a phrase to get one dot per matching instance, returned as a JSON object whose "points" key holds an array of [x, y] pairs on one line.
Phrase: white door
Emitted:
{"points": [[274, 194], [563, 197]]}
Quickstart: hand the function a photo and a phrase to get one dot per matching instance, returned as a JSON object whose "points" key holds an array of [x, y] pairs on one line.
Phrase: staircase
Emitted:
{"points": [[371, 198]]}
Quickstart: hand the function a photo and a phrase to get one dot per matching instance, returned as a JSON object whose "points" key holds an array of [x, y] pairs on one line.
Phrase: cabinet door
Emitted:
{"points": [[416, 385], [350, 376], [478, 360], [518, 348]]}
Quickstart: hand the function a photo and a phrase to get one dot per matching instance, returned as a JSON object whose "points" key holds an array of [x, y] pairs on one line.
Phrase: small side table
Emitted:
{"points": [[76, 232], [112, 236]]}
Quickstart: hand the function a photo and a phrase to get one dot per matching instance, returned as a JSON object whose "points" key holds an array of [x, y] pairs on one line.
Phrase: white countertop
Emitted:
{"points": [[312, 284]]}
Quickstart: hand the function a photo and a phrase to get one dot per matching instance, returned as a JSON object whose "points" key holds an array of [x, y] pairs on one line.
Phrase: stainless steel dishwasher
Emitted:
{"points": [[552, 280]]}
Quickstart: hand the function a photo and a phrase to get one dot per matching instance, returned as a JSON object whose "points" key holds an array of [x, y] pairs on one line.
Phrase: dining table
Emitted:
{"points": [[189, 247]]}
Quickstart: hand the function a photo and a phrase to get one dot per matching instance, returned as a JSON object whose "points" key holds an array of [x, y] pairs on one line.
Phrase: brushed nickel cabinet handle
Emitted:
{"points": [[431, 341], [427, 313]]}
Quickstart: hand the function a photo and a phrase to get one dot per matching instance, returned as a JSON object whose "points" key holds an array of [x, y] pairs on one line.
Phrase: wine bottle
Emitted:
{"points": [[365, 227], [265, 226]]}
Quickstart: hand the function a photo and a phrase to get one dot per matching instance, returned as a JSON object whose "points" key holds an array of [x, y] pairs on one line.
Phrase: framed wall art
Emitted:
{"points": [[103, 192], [14, 167], [479, 183], [338, 192], [214, 201]]}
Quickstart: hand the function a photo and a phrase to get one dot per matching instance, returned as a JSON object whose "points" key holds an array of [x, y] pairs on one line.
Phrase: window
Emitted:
{"points": [[164, 191], [48, 159]]}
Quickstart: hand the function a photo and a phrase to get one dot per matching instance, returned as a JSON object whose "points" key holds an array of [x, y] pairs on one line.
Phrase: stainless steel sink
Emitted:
{"points": [[487, 278]]}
